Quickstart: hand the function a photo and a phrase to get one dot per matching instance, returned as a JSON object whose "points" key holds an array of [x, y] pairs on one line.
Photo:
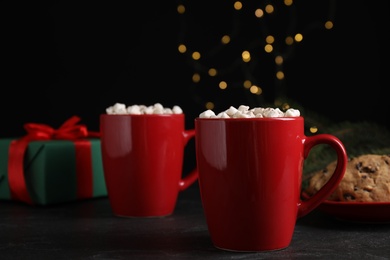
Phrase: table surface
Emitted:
{"points": [[87, 229]]}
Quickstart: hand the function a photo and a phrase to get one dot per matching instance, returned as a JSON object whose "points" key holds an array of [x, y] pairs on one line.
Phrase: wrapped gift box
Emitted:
{"points": [[55, 172]]}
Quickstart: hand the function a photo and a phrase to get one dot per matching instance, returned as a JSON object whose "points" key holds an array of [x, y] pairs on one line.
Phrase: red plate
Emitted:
{"points": [[368, 212], [373, 212]]}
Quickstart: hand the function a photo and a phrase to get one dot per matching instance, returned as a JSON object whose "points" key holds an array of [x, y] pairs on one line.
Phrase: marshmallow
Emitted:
{"points": [[273, 112], [118, 108], [136, 110], [177, 110], [231, 111], [292, 112], [156, 109], [245, 112], [207, 114]]}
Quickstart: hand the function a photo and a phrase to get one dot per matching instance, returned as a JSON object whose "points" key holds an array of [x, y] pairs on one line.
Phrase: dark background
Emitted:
{"points": [[65, 58]]}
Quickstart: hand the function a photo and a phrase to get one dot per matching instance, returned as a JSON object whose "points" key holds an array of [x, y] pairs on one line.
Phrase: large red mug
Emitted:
{"points": [[250, 173], [142, 159]]}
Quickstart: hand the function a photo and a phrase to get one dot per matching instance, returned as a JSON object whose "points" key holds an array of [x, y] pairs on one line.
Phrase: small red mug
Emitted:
{"points": [[250, 174], [142, 158]]}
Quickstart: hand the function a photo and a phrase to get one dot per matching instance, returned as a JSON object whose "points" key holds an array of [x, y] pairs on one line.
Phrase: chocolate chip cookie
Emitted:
{"points": [[366, 179]]}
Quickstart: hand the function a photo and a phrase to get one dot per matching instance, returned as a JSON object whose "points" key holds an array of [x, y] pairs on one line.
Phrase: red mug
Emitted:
{"points": [[142, 158], [250, 174]]}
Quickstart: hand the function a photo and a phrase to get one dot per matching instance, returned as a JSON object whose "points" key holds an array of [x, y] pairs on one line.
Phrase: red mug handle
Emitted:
{"points": [[191, 177], [306, 206]]}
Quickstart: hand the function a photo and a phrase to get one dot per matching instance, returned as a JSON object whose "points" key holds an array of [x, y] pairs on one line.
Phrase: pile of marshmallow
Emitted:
{"points": [[122, 109], [244, 112]]}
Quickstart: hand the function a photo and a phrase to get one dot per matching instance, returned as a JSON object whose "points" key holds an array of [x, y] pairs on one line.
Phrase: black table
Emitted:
{"points": [[88, 230]]}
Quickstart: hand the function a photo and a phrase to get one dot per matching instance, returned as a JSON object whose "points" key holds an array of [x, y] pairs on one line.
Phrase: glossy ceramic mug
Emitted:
{"points": [[250, 173], [142, 158]]}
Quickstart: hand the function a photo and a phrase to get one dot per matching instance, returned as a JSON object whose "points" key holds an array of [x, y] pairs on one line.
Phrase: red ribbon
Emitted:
{"points": [[37, 132]]}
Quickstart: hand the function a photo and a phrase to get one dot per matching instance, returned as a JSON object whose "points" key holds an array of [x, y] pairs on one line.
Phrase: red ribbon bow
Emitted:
{"points": [[35, 132]]}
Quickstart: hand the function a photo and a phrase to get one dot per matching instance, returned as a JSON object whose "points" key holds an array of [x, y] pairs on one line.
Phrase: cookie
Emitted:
{"points": [[366, 179]]}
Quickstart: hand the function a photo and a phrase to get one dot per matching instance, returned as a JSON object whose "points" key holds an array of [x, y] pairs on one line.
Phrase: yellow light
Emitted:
{"points": [[269, 8], [223, 85], [247, 84], [225, 39], [268, 48], [313, 129], [237, 5], [328, 25], [212, 72], [196, 55], [196, 77], [289, 40], [279, 60], [256, 90], [288, 2], [181, 9], [298, 37], [285, 106], [277, 102], [209, 105], [182, 48], [246, 56], [280, 75], [269, 39], [259, 13]]}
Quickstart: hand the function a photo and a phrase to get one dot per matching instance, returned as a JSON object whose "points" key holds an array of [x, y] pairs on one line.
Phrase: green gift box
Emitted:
{"points": [[52, 171]]}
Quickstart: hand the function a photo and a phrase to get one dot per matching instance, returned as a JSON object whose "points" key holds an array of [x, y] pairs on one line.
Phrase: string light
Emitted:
{"points": [[244, 40]]}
